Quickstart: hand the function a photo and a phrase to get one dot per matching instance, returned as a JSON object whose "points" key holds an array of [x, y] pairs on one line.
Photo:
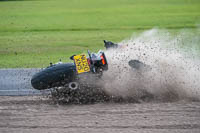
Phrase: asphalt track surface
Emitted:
{"points": [[17, 82], [35, 114]]}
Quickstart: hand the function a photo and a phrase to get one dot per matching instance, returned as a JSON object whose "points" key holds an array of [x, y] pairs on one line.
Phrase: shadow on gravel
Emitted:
{"points": [[91, 96]]}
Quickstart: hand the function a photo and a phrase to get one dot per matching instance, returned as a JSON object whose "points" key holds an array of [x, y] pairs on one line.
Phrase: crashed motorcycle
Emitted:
{"points": [[68, 74], [67, 78]]}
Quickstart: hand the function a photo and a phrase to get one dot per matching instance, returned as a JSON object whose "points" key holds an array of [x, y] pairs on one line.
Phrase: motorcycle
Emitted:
{"points": [[72, 79], [67, 74]]}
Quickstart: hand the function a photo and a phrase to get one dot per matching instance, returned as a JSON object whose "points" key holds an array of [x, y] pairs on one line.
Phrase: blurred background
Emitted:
{"points": [[34, 33]]}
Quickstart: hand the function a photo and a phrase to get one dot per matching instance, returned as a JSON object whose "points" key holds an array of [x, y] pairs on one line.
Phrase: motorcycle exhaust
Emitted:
{"points": [[73, 85]]}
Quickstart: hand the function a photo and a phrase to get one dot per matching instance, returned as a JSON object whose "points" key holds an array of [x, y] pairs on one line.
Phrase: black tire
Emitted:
{"points": [[54, 76]]}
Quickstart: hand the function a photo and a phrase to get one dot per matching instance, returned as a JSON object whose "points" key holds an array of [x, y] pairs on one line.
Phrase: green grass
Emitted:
{"points": [[34, 33]]}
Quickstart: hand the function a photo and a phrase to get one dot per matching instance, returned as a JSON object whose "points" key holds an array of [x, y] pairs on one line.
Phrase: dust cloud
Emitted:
{"points": [[173, 62]]}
